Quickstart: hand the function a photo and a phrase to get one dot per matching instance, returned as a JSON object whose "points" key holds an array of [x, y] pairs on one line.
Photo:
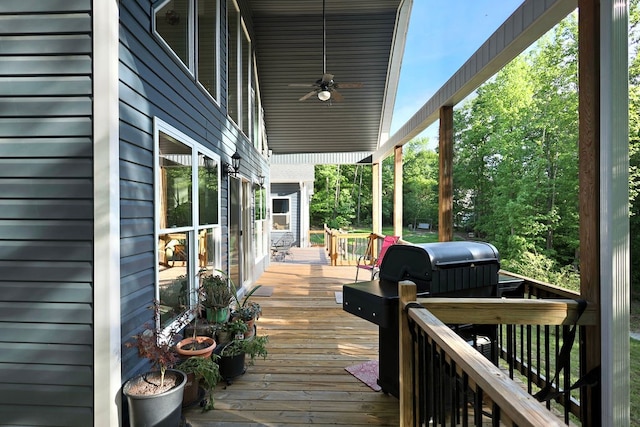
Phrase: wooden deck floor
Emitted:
{"points": [[311, 341]]}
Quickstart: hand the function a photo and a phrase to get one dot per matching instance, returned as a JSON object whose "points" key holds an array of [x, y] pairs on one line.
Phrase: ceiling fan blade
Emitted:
{"points": [[307, 96], [353, 85], [301, 85], [336, 96], [326, 77]]}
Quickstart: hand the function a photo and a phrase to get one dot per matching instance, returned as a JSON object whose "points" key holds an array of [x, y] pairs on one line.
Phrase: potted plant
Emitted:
{"points": [[155, 397], [196, 345], [229, 330], [233, 355], [203, 372], [247, 310], [217, 297]]}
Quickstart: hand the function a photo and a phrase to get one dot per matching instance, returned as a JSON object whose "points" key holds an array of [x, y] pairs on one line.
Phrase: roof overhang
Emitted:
{"points": [[364, 43]]}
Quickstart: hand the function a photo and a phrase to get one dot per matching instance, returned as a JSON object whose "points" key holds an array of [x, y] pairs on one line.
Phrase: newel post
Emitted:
{"points": [[407, 292]]}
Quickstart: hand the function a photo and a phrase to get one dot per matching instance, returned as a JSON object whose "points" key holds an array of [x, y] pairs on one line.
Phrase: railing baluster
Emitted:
{"points": [[444, 393], [547, 358]]}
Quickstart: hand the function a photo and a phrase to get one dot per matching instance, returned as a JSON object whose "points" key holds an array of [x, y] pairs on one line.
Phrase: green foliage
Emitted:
{"points": [[207, 372], [515, 167], [217, 292], [634, 383], [253, 347], [420, 183], [342, 195], [543, 268], [634, 145]]}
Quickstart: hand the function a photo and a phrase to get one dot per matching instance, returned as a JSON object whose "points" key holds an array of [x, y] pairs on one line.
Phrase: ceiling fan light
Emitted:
{"points": [[324, 95]]}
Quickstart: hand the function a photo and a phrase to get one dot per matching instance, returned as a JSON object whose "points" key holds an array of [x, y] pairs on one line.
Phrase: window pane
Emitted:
{"points": [[207, 249], [246, 70], [172, 23], [233, 21], [207, 190], [280, 206], [175, 183], [207, 42], [280, 221], [173, 260], [258, 203]]}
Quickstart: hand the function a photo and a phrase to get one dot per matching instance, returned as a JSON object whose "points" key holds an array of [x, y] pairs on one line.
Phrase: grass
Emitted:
{"points": [[634, 376]]}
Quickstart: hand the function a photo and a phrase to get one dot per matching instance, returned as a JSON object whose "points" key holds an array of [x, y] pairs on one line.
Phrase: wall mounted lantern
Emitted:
{"points": [[234, 168]]}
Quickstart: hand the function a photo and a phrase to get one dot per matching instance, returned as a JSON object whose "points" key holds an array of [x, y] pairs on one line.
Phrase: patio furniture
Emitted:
{"points": [[366, 262], [282, 247]]}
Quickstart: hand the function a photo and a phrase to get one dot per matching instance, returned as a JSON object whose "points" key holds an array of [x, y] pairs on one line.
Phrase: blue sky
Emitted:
{"points": [[441, 37]]}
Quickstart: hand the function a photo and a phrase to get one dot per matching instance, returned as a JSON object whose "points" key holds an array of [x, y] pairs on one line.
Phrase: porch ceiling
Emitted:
{"points": [[359, 48]]}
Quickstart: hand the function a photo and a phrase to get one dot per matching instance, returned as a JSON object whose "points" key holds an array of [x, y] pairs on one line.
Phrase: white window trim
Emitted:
{"points": [[164, 127], [241, 32], [272, 213], [192, 37]]}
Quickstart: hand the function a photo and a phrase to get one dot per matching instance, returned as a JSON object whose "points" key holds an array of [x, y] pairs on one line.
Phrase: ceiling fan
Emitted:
{"points": [[325, 88]]}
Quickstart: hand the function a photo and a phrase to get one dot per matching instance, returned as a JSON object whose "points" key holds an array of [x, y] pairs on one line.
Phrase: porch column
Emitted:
{"points": [[107, 366], [445, 180], [397, 191], [604, 227], [376, 196], [588, 145]]}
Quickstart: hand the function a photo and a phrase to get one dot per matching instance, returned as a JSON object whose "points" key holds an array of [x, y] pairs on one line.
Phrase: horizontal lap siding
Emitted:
{"points": [[46, 213], [152, 84]]}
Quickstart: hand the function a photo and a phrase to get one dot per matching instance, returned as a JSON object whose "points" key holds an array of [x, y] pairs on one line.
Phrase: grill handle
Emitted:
{"points": [[464, 262]]}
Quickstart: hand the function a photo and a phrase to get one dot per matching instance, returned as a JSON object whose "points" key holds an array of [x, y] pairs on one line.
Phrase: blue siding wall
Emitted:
{"points": [[154, 84], [46, 213]]}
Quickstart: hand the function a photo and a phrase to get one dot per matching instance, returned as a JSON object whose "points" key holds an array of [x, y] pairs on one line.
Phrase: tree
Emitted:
{"points": [[634, 144], [338, 195], [515, 165], [420, 183]]}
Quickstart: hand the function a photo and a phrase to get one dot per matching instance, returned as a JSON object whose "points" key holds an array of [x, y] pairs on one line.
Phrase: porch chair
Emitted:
{"points": [[367, 262], [282, 247]]}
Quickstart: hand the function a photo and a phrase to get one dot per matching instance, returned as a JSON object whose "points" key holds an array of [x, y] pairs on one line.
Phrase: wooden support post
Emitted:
{"points": [[333, 252], [397, 192], [445, 185], [589, 198], [407, 291]]}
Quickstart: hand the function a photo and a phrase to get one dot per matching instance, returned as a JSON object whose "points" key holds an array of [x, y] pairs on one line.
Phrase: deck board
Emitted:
{"points": [[311, 342]]}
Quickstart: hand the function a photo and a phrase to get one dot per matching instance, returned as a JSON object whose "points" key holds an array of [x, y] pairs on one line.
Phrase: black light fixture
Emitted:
{"points": [[234, 168], [261, 180], [209, 164]]}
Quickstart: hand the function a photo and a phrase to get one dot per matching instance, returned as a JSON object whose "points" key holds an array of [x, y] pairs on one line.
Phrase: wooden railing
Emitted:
{"points": [[444, 379], [345, 248]]}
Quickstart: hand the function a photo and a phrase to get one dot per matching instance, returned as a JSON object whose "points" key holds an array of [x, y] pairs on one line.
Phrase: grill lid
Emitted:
{"points": [[418, 262]]}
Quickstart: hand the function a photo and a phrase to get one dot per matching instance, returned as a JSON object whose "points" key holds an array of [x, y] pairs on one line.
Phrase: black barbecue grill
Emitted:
{"points": [[446, 269]]}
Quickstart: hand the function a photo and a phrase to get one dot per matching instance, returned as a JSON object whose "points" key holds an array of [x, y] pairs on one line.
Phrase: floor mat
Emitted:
{"points": [[366, 372], [263, 291], [338, 297]]}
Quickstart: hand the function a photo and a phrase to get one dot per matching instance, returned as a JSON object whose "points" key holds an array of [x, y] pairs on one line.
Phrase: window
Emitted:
{"points": [[239, 64], [190, 29], [280, 214], [233, 28], [259, 217], [187, 203]]}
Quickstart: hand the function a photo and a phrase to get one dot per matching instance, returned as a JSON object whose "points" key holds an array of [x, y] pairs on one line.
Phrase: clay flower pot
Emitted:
{"points": [[199, 346]]}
